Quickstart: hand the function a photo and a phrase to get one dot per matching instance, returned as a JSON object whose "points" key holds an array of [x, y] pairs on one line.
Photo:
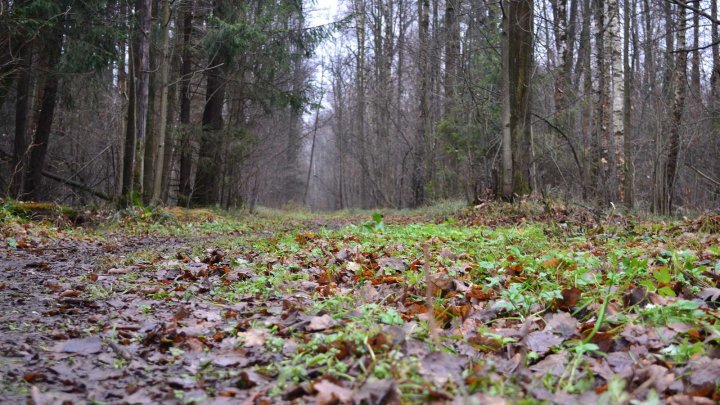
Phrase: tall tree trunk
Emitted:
{"points": [[418, 179], [452, 49], [361, 136], [189, 146], [715, 76], [588, 118], [603, 89], [20, 150], [521, 56], [673, 144], [629, 195], [695, 72], [129, 146], [151, 132], [164, 69], [616, 77], [142, 98], [207, 181], [36, 163], [506, 171]]}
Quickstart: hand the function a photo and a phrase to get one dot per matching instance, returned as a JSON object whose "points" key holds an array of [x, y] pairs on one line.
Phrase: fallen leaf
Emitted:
{"points": [[253, 337], [441, 367], [710, 294], [377, 392], [704, 374], [329, 393], [70, 293], [541, 342], [115, 271], [570, 297], [318, 323], [90, 345], [562, 323], [553, 364]]}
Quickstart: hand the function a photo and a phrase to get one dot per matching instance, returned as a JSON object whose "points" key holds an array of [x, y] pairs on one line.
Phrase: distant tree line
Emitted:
{"points": [[220, 102]]}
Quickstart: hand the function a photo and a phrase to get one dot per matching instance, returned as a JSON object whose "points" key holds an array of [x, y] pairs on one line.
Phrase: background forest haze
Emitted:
{"points": [[361, 103]]}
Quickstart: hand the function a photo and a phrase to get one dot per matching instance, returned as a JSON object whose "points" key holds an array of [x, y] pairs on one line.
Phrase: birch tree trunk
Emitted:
{"points": [[628, 199], [616, 76]]}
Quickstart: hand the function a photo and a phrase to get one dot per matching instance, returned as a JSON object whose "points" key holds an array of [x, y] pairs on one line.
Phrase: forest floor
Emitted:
{"points": [[530, 304]]}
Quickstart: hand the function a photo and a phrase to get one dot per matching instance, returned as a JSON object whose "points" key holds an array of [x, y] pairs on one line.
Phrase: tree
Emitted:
{"points": [[139, 103], [518, 20], [164, 86], [670, 147], [51, 53], [423, 123]]}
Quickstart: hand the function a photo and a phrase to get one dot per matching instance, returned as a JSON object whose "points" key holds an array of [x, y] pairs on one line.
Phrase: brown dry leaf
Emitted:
{"points": [[446, 253], [439, 282], [440, 367], [477, 293], [377, 392], [638, 295], [541, 342], [34, 377], [115, 271], [70, 293], [710, 295], [704, 375], [392, 264], [49, 398], [570, 297], [653, 376], [330, 394], [682, 399], [553, 364], [253, 337], [562, 323], [231, 359], [368, 293], [621, 363], [354, 266], [552, 263], [90, 345], [318, 323]]}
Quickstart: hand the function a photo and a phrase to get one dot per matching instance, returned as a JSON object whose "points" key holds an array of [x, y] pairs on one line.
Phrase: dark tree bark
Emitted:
{"points": [[520, 36], [673, 146], [418, 178], [715, 76], [189, 144], [129, 146], [207, 181], [139, 85], [452, 49], [20, 150], [143, 84], [43, 127]]}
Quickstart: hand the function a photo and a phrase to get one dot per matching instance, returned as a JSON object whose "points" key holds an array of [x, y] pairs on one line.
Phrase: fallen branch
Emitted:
{"points": [[77, 185], [703, 175], [8, 157]]}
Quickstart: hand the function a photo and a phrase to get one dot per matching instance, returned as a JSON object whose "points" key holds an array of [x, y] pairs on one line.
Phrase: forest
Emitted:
{"points": [[359, 202], [382, 104]]}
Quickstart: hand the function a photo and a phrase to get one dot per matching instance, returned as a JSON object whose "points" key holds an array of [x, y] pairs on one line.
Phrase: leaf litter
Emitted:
{"points": [[548, 305]]}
